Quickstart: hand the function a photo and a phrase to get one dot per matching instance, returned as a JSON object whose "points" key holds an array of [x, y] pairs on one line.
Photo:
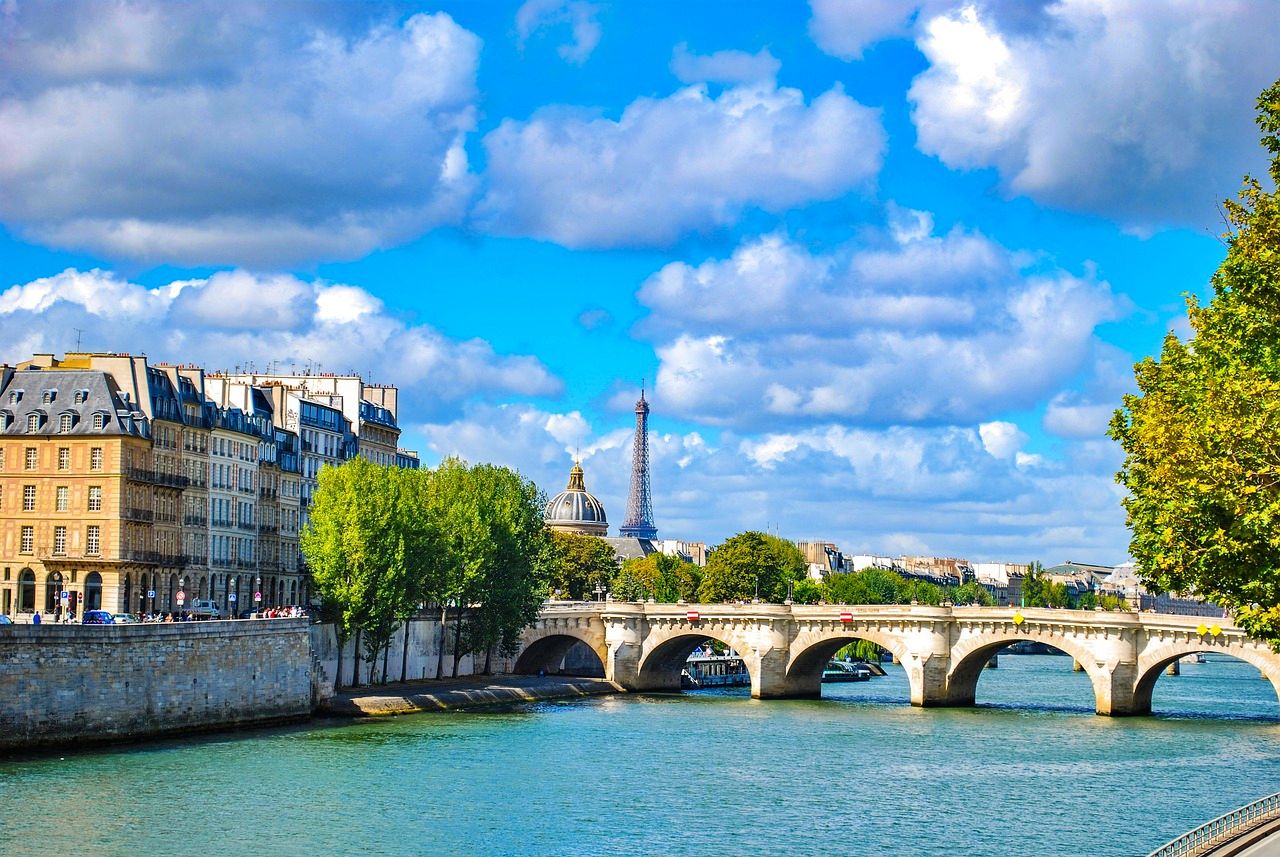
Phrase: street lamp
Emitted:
{"points": [[599, 590], [182, 596], [257, 593]]}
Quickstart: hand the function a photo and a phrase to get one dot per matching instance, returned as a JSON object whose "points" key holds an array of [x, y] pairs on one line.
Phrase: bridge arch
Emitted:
{"points": [[667, 649], [970, 656], [545, 645], [1152, 664], [813, 649]]}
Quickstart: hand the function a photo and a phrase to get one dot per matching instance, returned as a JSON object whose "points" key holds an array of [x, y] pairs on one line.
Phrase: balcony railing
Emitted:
{"points": [[167, 517], [195, 520], [154, 557], [134, 514], [247, 525]]}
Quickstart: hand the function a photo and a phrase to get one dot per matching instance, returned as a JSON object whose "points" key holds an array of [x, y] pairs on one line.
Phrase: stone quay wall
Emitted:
{"points": [[78, 684]]}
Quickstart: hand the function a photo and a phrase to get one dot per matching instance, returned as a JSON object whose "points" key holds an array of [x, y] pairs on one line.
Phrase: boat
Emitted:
{"points": [[846, 671], [714, 671]]}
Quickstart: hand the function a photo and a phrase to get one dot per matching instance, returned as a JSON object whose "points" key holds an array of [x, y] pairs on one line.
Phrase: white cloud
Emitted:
{"points": [[235, 317], [1002, 439], [1070, 415], [670, 166], [212, 134], [845, 28], [536, 16], [723, 66], [928, 490], [1134, 110], [922, 330]]}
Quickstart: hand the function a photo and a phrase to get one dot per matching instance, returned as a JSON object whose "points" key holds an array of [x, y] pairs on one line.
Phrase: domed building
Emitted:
{"points": [[575, 509]]}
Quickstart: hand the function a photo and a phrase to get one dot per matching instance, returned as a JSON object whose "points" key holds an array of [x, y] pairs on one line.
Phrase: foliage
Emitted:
{"points": [[868, 586], [973, 593], [579, 564], [860, 650], [664, 578], [806, 591], [1202, 436], [751, 563]]}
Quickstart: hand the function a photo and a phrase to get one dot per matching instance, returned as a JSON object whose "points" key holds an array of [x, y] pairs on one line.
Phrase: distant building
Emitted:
{"points": [[575, 509]]}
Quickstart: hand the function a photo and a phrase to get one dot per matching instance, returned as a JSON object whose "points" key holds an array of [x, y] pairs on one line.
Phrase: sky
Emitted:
{"points": [[883, 268]]}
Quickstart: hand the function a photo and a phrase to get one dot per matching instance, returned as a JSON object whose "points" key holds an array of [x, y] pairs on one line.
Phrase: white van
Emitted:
{"points": [[205, 610]]}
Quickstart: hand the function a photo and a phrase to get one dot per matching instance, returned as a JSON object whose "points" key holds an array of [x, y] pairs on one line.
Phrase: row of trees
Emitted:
{"points": [[385, 542]]}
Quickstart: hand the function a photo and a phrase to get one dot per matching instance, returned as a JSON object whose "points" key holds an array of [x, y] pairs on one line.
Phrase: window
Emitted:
{"points": [[28, 539], [1, 458], [28, 498], [64, 423], [32, 458], [60, 498], [33, 423], [15, 396], [64, 458], [92, 541], [95, 498], [48, 396], [27, 591], [99, 422], [60, 541], [80, 397], [95, 458]]}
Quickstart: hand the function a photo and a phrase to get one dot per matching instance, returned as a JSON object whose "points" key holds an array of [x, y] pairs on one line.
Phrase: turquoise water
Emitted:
{"points": [[1030, 771]]}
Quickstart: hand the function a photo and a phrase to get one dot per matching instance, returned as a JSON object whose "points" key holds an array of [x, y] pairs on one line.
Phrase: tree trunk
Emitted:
{"points": [[457, 640], [404, 659], [355, 670], [337, 679], [444, 623], [386, 656], [488, 658]]}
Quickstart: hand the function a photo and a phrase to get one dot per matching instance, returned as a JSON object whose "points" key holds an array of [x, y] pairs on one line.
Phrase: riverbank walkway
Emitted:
{"points": [[462, 692], [1252, 830], [1262, 842]]}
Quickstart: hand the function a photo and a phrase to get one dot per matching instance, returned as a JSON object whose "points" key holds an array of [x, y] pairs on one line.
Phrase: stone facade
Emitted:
{"points": [[73, 684]]}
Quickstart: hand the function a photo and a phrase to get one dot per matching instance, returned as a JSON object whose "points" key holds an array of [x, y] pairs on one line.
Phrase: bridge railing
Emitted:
{"points": [[1222, 829]]}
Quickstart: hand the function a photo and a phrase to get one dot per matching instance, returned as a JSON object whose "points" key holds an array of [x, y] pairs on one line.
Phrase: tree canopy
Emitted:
{"points": [[664, 578], [579, 564], [748, 563], [1202, 436]]}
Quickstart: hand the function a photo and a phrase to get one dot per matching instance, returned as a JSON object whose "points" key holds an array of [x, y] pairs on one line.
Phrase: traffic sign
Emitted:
{"points": [[182, 596], [257, 596], [232, 598], [151, 593], [65, 595]]}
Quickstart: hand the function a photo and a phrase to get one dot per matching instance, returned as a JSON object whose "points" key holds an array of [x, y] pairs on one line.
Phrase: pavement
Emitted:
{"points": [[1262, 841], [466, 692]]}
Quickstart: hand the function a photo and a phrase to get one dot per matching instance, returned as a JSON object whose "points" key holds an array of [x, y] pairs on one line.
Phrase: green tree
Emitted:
{"points": [[868, 586], [806, 591], [1033, 586], [972, 593], [579, 564], [748, 563], [664, 578], [1202, 436], [366, 551]]}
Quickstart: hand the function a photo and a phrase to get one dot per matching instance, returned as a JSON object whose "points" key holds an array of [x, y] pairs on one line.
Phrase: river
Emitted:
{"points": [[1031, 770]]}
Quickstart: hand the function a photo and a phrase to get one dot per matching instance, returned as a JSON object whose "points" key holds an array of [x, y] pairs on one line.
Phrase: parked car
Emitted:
{"points": [[127, 619], [5, 620], [97, 617], [205, 610]]}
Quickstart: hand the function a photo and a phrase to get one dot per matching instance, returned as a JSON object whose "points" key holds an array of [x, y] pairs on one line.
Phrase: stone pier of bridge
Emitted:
{"points": [[643, 646]]}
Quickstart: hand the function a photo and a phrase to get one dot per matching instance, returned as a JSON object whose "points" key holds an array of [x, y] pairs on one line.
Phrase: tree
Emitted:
{"points": [[662, 577], [366, 550], [1202, 436], [751, 563], [579, 564], [972, 593], [1033, 586], [868, 586]]}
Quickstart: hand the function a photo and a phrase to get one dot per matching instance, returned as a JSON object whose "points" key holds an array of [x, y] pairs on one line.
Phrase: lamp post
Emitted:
{"points": [[257, 593], [599, 590], [182, 595]]}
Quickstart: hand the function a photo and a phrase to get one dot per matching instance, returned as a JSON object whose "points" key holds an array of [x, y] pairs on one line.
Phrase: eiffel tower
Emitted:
{"points": [[639, 520]]}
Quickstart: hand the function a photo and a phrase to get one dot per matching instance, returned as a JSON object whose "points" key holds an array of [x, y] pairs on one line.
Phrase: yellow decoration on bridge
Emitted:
{"points": [[1018, 619], [1215, 630], [1202, 629]]}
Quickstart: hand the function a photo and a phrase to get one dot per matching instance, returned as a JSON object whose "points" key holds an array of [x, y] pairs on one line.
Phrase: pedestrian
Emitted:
{"points": [[35, 619]]}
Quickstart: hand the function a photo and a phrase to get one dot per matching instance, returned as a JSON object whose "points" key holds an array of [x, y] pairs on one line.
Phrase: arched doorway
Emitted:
{"points": [[27, 591], [53, 592], [128, 593], [173, 590], [93, 591]]}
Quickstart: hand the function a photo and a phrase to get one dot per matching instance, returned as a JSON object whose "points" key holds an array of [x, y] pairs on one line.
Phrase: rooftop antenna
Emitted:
{"points": [[79, 333]]}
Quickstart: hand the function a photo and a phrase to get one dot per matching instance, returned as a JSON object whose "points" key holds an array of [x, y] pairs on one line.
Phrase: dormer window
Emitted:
{"points": [[15, 397], [81, 396], [33, 423], [66, 422], [99, 421], [48, 396]]}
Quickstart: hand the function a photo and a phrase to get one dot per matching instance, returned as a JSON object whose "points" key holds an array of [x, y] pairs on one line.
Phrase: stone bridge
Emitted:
{"points": [[643, 647]]}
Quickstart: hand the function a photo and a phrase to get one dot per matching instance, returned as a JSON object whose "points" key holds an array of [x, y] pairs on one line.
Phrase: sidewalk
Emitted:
{"points": [[465, 692]]}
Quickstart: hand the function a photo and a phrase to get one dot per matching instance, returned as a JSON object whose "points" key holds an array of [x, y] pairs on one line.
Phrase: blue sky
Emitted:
{"points": [[883, 266]]}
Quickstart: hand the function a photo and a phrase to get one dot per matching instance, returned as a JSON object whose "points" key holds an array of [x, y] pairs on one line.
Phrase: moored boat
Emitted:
{"points": [[714, 671], [840, 671]]}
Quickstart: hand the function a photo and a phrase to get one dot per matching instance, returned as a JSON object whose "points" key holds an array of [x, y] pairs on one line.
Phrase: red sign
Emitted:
{"points": [[693, 615], [182, 596], [846, 617]]}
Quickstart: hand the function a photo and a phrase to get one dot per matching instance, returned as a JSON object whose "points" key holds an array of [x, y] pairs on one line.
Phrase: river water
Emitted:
{"points": [[1031, 770]]}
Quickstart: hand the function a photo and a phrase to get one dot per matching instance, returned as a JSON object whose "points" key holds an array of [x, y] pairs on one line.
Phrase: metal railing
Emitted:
{"points": [[1222, 829]]}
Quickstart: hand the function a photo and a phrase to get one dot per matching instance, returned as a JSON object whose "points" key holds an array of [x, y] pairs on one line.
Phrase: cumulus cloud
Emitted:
{"points": [[212, 133], [536, 16], [845, 28], [1132, 110], [929, 490], [924, 329], [1002, 439], [235, 317], [723, 66], [666, 167]]}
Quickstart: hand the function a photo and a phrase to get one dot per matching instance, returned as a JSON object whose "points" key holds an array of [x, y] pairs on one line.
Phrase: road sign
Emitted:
{"points": [[257, 596], [151, 593], [232, 598], [182, 596], [692, 615], [65, 595]]}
